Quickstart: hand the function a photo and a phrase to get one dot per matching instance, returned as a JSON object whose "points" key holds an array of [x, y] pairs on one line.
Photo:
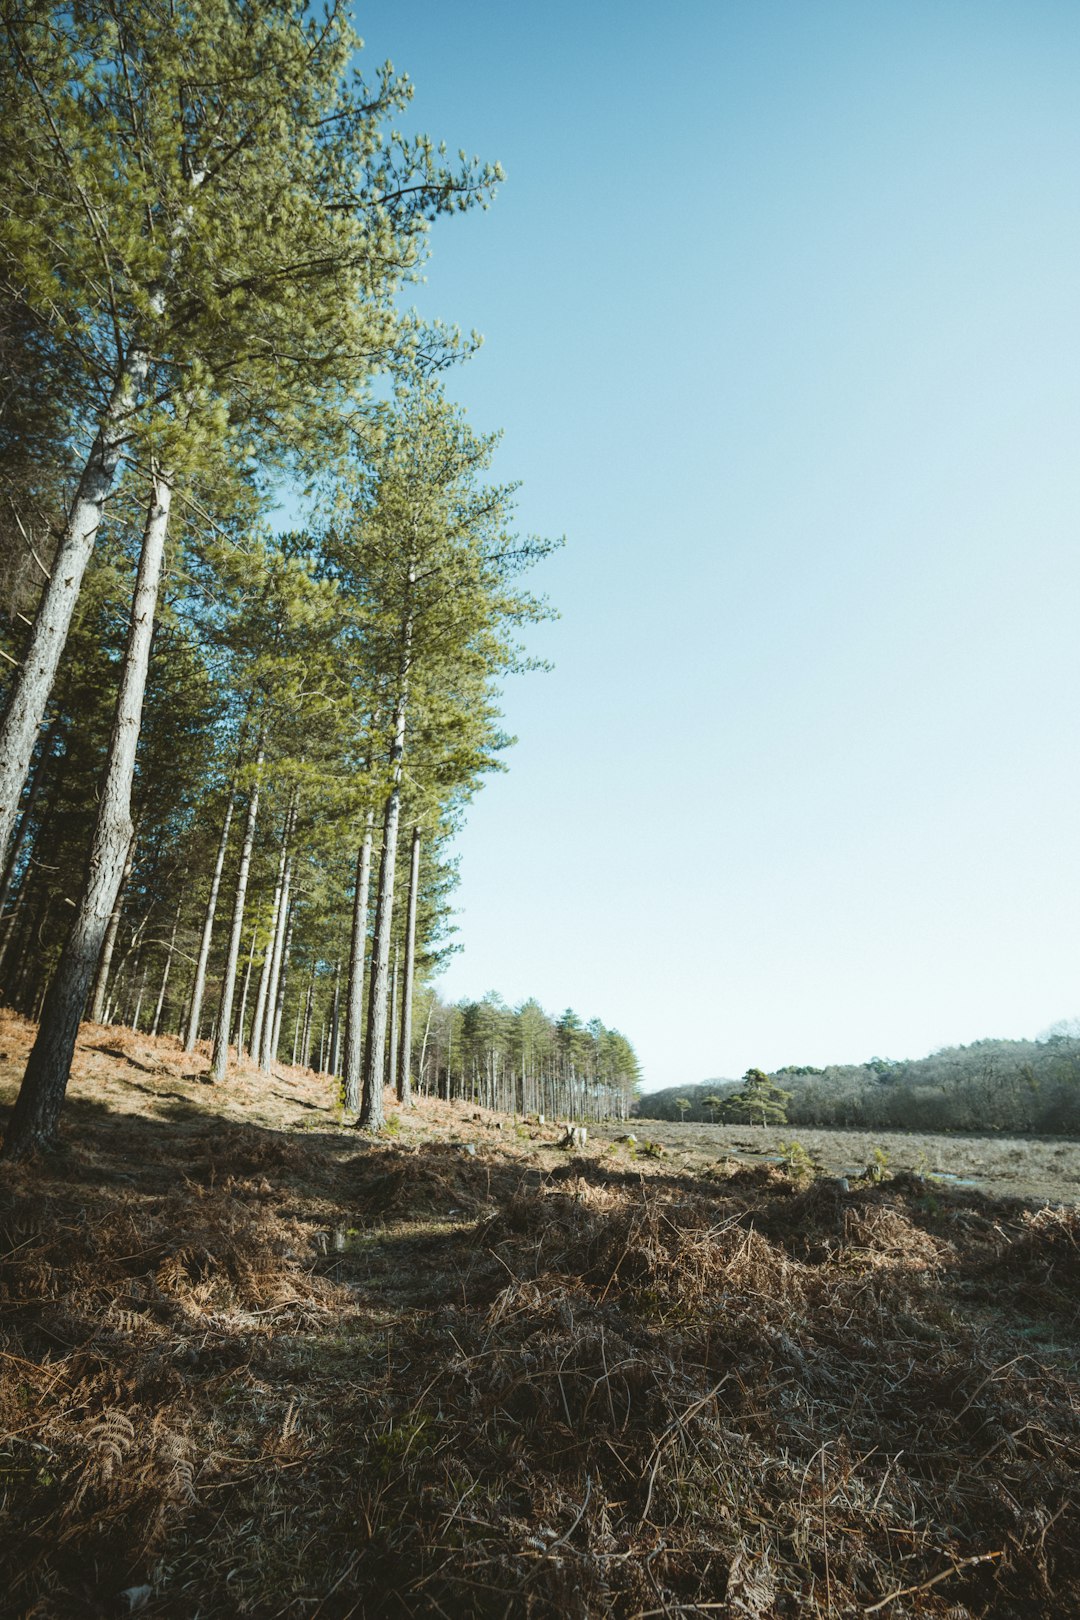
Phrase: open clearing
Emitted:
{"points": [[253, 1364], [1045, 1167]]}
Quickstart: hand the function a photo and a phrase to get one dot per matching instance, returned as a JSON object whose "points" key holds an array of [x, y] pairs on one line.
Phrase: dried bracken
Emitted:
{"points": [[248, 1370]]}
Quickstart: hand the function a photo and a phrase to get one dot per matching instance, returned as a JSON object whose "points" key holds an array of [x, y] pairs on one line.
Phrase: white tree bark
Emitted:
{"points": [[330, 1059], [139, 999], [198, 988], [309, 1009], [156, 1025], [37, 1109], [404, 1077], [220, 1060], [372, 1114], [259, 1016], [34, 682], [101, 978], [268, 1044], [354, 1000], [241, 1015], [275, 1038]]}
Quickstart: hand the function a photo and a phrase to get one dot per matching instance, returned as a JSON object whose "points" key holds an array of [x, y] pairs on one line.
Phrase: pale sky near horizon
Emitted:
{"points": [[781, 320]]}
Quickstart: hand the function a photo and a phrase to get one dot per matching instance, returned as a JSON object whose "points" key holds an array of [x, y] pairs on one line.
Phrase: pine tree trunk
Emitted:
{"points": [[33, 684], [244, 997], [422, 1065], [41, 1097], [198, 988], [255, 1043], [305, 1044], [48, 748], [261, 1049], [139, 999], [17, 957], [219, 1062], [126, 972], [101, 978], [371, 1115], [264, 1052], [354, 1000], [391, 1045], [331, 1058], [371, 1109], [269, 1042], [371, 1106], [156, 1025], [404, 1079], [275, 1037]]}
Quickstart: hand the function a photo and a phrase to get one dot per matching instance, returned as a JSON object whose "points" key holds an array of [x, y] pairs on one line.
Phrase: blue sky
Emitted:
{"points": [[781, 320]]}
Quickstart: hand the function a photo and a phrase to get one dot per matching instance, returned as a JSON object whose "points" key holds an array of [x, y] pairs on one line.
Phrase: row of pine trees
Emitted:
{"points": [[522, 1061], [233, 754]]}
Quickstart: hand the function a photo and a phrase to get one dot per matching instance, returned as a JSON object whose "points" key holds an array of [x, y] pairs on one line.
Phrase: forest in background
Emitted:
{"points": [[233, 759], [991, 1085]]}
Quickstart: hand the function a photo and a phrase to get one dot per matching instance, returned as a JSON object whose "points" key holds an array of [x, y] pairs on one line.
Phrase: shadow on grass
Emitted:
{"points": [[485, 1388]]}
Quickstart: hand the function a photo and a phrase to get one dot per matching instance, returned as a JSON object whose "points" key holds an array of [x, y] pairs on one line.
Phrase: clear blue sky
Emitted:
{"points": [[781, 314]]}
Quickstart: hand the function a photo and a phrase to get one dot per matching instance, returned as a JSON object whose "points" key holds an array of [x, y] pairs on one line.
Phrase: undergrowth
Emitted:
{"points": [[244, 1372]]}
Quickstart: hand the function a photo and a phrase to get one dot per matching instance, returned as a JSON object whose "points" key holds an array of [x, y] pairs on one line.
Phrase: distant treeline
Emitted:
{"points": [[989, 1085], [522, 1060]]}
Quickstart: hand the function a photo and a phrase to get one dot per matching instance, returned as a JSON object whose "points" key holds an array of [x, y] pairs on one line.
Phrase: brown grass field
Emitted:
{"points": [[252, 1363], [1044, 1167]]}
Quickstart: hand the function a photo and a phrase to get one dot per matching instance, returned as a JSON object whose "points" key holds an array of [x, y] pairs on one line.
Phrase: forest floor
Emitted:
{"points": [[254, 1363]]}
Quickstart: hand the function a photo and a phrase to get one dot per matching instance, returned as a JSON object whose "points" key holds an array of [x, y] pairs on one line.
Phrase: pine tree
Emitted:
{"points": [[207, 214], [760, 1102]]}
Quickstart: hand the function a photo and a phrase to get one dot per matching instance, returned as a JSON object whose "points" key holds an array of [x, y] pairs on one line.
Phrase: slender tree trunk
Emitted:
{"points": [[404, 1079], [262, 1049], [269, 1042], [449, 1059], [41, 1097], [198, 988], [168, 961], [371, 1107], [8, 955], [255, 1043], [139, 998], [220, 1060], [127, 970], [48, 748], [305, 1045], [101, 978], [18, 954], [354, 1000], [423, 1052], [391, 1045], [331, 1056], [33, 684], [244, 996], [372, 1113], [275, 1037]]}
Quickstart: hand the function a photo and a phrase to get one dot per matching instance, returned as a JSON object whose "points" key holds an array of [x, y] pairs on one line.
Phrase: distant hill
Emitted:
{"points": [[664, 1104], [1003, 1085]]}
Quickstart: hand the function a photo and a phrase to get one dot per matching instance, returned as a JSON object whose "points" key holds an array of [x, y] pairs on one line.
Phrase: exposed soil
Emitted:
{"points": [[253, 1363]]}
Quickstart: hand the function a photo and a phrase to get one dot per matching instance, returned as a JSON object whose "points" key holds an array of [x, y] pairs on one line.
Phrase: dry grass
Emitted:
{"points": [[250, 1365], [1008, 1166]]}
